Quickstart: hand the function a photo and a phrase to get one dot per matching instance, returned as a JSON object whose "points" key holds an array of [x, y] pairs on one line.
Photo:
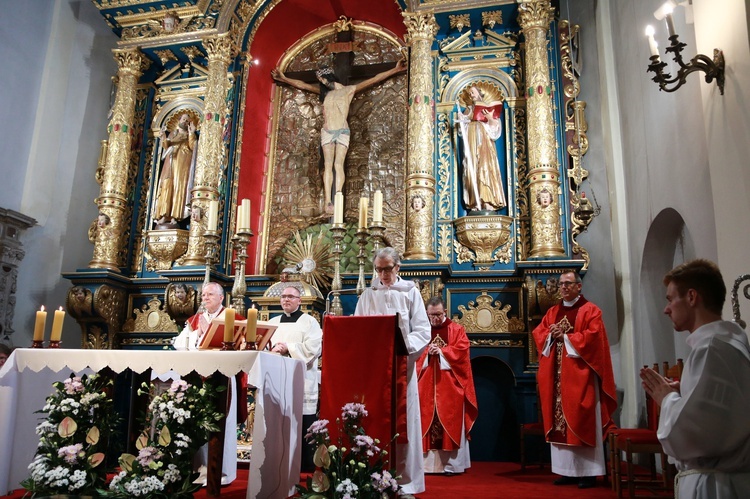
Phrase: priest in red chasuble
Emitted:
{"points": [[446, 394], [212, 299], [576, 384]]}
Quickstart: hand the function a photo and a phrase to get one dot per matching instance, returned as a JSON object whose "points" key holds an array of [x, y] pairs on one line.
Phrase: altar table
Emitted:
{"points": [[27, 376]]}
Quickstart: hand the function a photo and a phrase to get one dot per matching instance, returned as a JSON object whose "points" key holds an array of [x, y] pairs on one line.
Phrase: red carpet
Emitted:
{"points": [[482, 480]]}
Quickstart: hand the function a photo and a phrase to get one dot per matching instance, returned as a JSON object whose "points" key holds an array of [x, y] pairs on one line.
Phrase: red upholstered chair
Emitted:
{"points": [[627, 442]]}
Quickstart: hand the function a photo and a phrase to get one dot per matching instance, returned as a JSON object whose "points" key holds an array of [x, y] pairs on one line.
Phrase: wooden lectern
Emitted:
{"points": [[364, 361]]}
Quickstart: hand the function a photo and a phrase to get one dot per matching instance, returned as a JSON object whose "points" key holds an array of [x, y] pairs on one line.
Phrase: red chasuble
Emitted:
{"points": [[445, 395], [566, 384]]}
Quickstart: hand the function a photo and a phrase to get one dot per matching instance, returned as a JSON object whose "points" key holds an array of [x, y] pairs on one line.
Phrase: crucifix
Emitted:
{"points": [[336, 94]]}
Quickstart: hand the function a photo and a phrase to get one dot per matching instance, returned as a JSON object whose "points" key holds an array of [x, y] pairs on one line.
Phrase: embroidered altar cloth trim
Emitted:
{"points": [[204, 363]]}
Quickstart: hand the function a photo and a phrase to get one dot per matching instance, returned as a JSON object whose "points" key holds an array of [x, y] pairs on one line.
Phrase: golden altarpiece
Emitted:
{"points": [[485, 218]]}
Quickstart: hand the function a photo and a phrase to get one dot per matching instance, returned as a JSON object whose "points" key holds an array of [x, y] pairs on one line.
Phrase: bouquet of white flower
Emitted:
{"points": [[73, 438], [356, 469], [178, 423]]}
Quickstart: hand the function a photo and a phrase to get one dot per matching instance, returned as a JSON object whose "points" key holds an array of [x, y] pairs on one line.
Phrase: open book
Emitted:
{"points": [[496, 108], [214, 338]]}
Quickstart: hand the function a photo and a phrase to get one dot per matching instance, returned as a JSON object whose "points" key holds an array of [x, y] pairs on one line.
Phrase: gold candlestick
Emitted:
{"points": [[239, 243], [378, 240], [338, 231], [361, 257], [211, 242]]}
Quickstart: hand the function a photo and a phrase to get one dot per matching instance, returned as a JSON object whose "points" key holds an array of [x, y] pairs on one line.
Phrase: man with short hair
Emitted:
{"points": [[446, 394], [212, 298], [388, 294], [299, 336], [576, 384], [703, 423]]}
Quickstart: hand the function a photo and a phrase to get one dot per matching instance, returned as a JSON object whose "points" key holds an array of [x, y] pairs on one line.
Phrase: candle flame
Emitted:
{"points": [[41, 308], [650, 30], [60, 308]]}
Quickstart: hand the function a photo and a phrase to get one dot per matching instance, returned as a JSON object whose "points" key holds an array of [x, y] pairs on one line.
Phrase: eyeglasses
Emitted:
{"points": [[289, 297], [565, 284], [436, 315], [387, 270]]}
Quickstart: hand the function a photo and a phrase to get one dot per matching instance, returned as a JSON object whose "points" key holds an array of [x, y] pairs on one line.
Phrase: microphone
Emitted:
{"points": [[341, 292]]}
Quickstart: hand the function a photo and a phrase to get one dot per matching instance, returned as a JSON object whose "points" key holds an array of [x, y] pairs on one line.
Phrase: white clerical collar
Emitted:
{"points": [[571, 303], [291, 313], [214, 315]]}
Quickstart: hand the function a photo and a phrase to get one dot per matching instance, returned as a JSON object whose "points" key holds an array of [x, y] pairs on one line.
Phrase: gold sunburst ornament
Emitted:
{"points": [[311, 257]]}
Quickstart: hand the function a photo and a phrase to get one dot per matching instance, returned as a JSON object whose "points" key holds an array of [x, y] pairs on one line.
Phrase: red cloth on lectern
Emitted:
{"points": [[448, 396], [241, 378], [358, 366]]}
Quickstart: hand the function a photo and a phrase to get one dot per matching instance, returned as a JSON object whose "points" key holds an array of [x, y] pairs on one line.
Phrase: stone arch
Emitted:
{"points": [[668, 244]]}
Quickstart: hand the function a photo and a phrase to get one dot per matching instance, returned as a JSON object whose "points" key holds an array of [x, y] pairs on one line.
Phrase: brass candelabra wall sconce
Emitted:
{"points": [[713, 68]]}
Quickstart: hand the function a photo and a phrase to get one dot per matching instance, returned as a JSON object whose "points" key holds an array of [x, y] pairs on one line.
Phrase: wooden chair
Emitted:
{"points": [[532, 429], [632, 441]]}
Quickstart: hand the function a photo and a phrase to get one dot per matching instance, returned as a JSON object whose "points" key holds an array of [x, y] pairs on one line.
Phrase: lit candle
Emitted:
{"points": [[57, 324], [245, 207], [41, 321], [363, 202], [377, 208], [668, 9], [338, 208], [651, 42], [252, 325], [229, 325], [213, 215]]}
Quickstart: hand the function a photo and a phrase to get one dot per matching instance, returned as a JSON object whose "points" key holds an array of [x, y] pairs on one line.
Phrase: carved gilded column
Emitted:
{"points": [[208, 163], [420, 181], [112, 200], [544, 168]]}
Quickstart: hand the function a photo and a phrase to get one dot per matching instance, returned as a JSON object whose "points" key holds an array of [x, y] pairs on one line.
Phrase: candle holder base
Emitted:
{"points": [[37, 344], [227, 346], [54, 344], [250, 345]]}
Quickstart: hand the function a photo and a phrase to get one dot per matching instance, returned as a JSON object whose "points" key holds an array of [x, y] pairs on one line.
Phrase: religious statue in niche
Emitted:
{"points": [[334, 137], [480, 126], [178, 159]]}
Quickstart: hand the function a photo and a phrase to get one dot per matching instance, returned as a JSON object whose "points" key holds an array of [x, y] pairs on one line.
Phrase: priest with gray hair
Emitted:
{"points": [[390, 295]]}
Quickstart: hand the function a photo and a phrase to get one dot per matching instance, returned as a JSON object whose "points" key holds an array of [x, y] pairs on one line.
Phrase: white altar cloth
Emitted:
{"points": [[27, 376]]}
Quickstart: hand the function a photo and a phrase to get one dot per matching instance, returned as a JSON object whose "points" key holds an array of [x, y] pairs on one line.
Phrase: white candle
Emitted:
{"points": [[338, 208], [57, 324], [41, 321], [377, 208], [363, 202], [213, 215], [229, 325], [651, 42], [668, 9], [245, 214], [252, 324]]}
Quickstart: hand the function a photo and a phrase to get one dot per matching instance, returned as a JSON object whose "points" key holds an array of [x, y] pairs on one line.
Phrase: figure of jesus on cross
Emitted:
{"points": [[334, 136]]}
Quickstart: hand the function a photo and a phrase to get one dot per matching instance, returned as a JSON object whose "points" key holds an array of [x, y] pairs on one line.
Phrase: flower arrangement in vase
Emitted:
{"points": [[73, 438], [177, 425], [355, 467]]}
